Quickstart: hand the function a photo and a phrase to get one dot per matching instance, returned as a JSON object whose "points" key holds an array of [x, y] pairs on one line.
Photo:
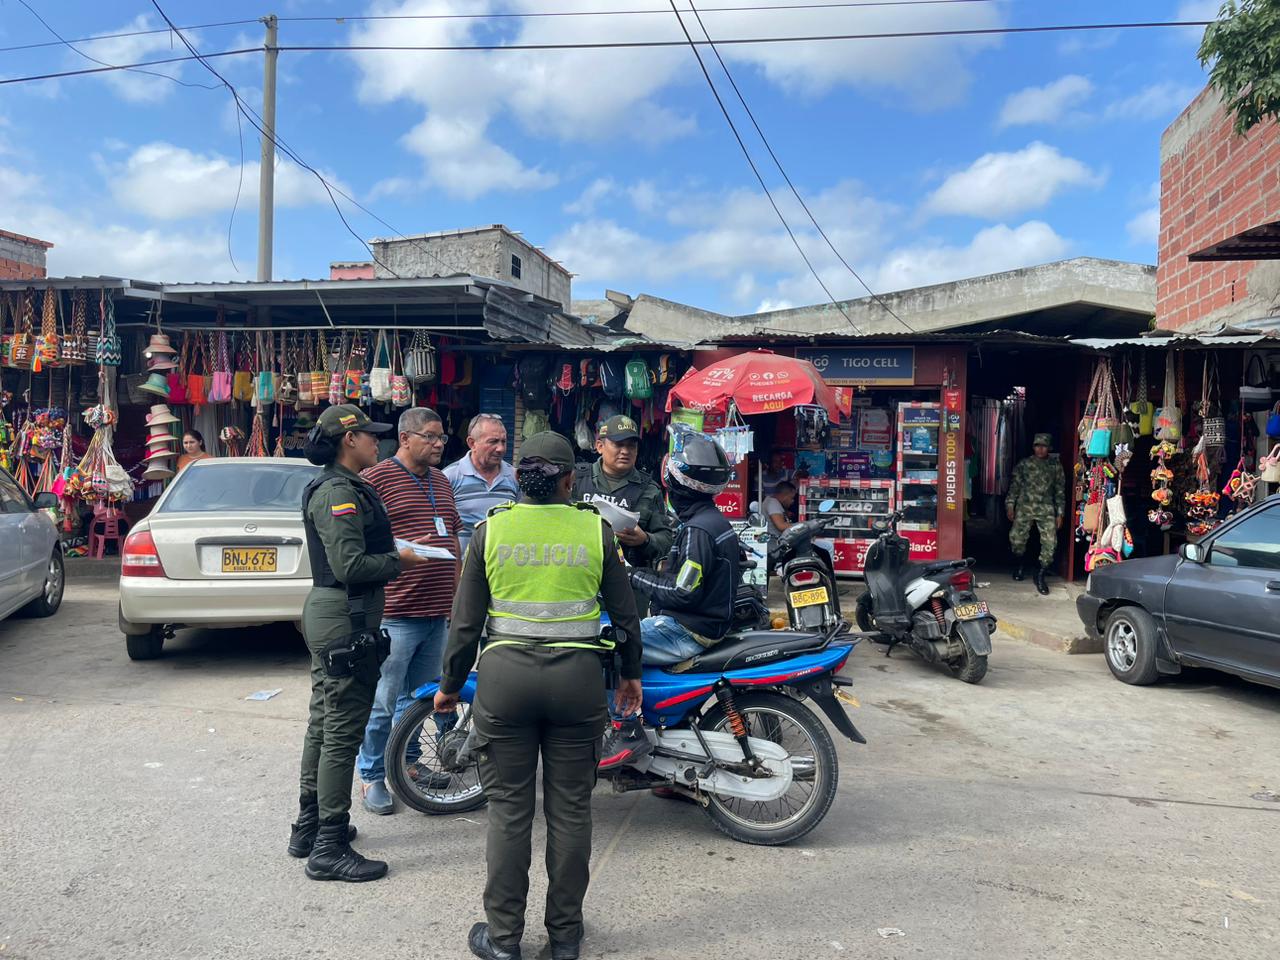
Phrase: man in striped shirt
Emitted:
{"points": [[482, 479], [419, 501]]}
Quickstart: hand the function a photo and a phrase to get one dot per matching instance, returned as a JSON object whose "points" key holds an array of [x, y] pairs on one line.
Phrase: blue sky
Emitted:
{"points": [[925, 160]]}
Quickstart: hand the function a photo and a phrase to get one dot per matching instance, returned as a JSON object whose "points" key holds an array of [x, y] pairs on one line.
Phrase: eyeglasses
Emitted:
{"points": [[429, 437]]}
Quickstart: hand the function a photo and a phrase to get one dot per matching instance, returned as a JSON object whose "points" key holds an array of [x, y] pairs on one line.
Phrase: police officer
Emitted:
{"points": [[352, 556], [533, 571], [615, 478], [1037, 497]]}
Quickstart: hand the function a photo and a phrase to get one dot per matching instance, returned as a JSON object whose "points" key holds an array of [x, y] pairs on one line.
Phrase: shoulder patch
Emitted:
{"points": [[589, 507], [495, 510], [343, 509]]}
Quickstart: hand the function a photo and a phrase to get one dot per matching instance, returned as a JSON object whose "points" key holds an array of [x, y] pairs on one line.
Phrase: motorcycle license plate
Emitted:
{"points": [[248, 559], [807, 598], [971, 611]]}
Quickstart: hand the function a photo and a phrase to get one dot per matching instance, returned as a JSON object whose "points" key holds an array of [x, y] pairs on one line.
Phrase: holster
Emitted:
{"points": [[342, 656]]}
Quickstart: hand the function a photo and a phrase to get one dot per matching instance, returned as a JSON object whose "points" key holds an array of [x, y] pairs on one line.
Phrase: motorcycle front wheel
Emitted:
{"points": [[863, 616], [815, 771], [415, 769]]}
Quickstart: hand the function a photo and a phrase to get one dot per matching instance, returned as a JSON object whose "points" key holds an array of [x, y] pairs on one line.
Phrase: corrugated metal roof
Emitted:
{"points": [[1176, 340]]}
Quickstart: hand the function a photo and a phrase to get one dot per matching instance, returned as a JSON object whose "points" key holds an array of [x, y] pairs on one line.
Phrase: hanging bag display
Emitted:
{"points": [[639, 386], [177, 376], [287, 384], [337, 369], [220, 379], [420, 362], [355, 371], [22, 343], [264, 381], [1255, 388], [306, 373], [401, 391], [1273, 422], [197, 377], [1270, 465], [1168, 424], [1214, 429], [242, 379], [108, 352], [75, 348], [380, 374], [45, 352], [1099, 444]]}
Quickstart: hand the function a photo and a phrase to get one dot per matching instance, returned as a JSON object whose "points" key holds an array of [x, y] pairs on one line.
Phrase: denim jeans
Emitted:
{"points": [[417, 650], [665, 641]]}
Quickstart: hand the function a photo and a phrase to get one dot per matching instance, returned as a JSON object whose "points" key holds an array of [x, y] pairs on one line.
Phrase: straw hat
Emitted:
{"points": [[160, 439], [160, 413], [160, 455], [161, 361], [157, 383], [159, 344], [157, 472]]}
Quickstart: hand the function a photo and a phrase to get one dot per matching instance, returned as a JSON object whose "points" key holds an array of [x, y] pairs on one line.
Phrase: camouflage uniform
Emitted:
{"points": [[1037, 495]]}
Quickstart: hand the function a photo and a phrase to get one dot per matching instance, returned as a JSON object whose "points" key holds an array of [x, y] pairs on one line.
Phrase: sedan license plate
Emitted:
{"points": [[971, 611], [248, 559], [807, 598]]}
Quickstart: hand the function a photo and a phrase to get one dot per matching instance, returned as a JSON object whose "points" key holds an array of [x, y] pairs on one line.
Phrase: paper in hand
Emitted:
{"points": [[422, 550], [621, 520]]}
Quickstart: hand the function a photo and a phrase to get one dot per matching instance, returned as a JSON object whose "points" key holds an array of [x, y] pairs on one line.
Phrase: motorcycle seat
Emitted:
{"points": [[751, 648], [930, 567]]}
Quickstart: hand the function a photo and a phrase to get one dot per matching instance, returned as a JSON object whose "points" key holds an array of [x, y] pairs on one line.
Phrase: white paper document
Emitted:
{"points": [[422, 550], [618, 518]]}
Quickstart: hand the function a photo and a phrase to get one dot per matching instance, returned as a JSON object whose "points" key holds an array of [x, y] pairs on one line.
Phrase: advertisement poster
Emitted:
{"points": [[732, 500], [875, 429], [755, 540]]}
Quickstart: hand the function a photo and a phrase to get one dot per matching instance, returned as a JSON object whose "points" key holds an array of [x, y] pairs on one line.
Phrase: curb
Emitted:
{"points": [[1057, 642]]}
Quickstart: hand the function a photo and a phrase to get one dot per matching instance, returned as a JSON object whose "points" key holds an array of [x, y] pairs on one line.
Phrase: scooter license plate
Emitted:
{"points": [[972, 611], [808, 598]]}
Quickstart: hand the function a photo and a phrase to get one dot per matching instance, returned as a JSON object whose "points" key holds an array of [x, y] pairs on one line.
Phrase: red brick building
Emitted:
{"points": [[22, 258], [1219, 220]]}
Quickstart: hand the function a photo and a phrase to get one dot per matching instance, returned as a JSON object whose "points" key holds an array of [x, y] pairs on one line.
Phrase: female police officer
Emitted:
{"points": [[352, 556]]}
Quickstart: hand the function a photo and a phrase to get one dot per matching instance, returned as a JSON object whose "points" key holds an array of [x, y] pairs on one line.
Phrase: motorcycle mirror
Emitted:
{"points": [[753, 506], [826, 506]]}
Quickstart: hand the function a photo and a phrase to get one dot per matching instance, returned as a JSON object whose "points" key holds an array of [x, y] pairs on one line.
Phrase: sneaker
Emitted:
{"points": [[428, 779], [377, 798], [626, 742]]}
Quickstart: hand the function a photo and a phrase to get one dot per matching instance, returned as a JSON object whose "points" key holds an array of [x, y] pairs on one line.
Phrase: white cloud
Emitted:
{"points": [[992, 250], [593, 95], [88, 245], [1047, 104], [1145, 227], [590, 198], [998, 185], [168, 182], [129, 84], [1199, 10], [1156, 101]]}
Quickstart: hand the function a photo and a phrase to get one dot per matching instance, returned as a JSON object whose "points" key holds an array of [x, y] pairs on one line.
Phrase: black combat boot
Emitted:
{"points": [[302, 835], [1020, 571], [333, 859], [485, 947], [1042, 588]]}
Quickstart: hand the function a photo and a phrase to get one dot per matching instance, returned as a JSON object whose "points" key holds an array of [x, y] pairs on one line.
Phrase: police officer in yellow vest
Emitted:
{"points": [[536, 572]]}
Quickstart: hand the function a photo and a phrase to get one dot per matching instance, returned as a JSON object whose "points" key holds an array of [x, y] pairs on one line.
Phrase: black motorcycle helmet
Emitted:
{"points": [[700, 466]]}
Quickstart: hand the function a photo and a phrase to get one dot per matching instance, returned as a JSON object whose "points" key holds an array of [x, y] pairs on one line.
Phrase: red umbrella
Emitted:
{"points": [[757, 382]]}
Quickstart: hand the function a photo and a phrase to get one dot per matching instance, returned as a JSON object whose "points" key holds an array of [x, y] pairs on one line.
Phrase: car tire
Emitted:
{"points": [[145, 646], [1129, 644], [55, 584]]}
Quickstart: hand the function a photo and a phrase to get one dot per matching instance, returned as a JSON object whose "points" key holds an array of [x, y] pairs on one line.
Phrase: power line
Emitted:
{"points": [[796, 193], [338, 20], [625, 44], [756, 170]]}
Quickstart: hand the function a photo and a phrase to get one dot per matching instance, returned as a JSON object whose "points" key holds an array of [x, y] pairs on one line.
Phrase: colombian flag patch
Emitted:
{"points": [[347, 419], [343, 509]]}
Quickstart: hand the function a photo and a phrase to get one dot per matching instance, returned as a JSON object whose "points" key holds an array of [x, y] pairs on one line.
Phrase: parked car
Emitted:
{"points": [[223, 547], [32, 577], [1216, 604]]}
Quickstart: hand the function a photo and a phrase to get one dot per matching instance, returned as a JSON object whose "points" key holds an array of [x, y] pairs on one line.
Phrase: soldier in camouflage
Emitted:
{"points": [[1037, 496]]}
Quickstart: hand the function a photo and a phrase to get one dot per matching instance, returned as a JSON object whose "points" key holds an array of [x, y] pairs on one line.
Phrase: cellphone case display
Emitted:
{"points": [[919, 428], [857, 504]]}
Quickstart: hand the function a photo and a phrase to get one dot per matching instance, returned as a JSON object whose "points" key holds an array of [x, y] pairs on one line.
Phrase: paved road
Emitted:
{"points": [[1050, 812]]}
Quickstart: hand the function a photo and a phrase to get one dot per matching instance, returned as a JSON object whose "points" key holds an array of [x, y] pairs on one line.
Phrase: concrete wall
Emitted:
{"points": [[351, 271], [484, 253], [1214, 185], [1106, 283], [22, 258]]}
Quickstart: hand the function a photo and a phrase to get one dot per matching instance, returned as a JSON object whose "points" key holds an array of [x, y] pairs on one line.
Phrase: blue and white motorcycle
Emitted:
{"points": [[733, 731]]}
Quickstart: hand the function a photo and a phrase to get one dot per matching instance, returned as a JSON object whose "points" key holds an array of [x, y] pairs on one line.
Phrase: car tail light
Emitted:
{"points": [[139, 558], [962, 580], [803, 577]]}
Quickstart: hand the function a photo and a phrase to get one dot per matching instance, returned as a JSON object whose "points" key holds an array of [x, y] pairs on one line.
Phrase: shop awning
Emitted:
{"points": [[1161, 342], [1257, 243]]}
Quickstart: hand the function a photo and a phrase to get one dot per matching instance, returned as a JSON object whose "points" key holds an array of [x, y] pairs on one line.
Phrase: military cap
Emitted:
{"points": [[1043, 440], [346, 417], [549, 446], [619, 429]]}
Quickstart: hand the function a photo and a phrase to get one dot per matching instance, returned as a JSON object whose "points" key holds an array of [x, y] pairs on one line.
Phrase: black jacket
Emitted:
{"points": [[702, 577]]}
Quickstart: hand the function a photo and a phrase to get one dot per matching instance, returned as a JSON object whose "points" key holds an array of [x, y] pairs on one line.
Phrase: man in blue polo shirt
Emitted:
{"points": [[482, 479]]}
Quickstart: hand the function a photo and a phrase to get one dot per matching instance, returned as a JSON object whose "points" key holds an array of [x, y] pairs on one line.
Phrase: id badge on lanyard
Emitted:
{"points": [[427, 488]]}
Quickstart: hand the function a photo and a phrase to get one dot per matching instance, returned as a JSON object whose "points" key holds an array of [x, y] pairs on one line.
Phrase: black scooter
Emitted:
{"points": [[807, 574], [930, 607]]}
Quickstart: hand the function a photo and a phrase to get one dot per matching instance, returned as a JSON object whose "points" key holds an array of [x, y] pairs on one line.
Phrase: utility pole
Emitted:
{"points": [[267, 166]]}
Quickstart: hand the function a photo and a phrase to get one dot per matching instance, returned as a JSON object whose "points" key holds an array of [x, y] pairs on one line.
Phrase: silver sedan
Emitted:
{"points": [[31, 572], [223, 547]]}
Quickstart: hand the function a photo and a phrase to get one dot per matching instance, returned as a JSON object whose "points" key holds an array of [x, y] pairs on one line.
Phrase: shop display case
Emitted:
{"points": [[858, 504], [919, 432]]}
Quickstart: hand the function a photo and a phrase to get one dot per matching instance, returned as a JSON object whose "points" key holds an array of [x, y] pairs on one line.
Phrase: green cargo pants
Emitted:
{"points": [[340, 706], [1020, 532], [532, 700]]}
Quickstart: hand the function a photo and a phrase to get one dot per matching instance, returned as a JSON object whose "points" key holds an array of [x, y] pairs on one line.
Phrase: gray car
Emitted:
{"points": [[31, 572], [1216, 604]]}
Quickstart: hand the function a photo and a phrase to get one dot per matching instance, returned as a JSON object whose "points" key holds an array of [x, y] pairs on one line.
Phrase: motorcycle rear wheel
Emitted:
{"points": [[463, 790], [969, 667], [772, 716]]}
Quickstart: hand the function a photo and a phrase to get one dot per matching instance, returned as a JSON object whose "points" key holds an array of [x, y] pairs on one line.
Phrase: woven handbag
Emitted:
{"points": [[108, 352], [197, 378], [22, 343], [220, 360], [46, 352]]}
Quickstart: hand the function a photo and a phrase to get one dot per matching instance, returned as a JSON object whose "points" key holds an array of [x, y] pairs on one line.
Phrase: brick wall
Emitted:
{"points": [[22, 257], [1214, 185], [17, 270]]}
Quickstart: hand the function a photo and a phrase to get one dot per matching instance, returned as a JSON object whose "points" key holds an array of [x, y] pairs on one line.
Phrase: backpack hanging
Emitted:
{"points": [[611, 379], [532, 370], [565, 380], [638, 384]]}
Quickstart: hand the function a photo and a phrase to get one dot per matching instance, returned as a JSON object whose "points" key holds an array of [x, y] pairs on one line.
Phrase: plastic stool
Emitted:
{"points": [[110, 524]]}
